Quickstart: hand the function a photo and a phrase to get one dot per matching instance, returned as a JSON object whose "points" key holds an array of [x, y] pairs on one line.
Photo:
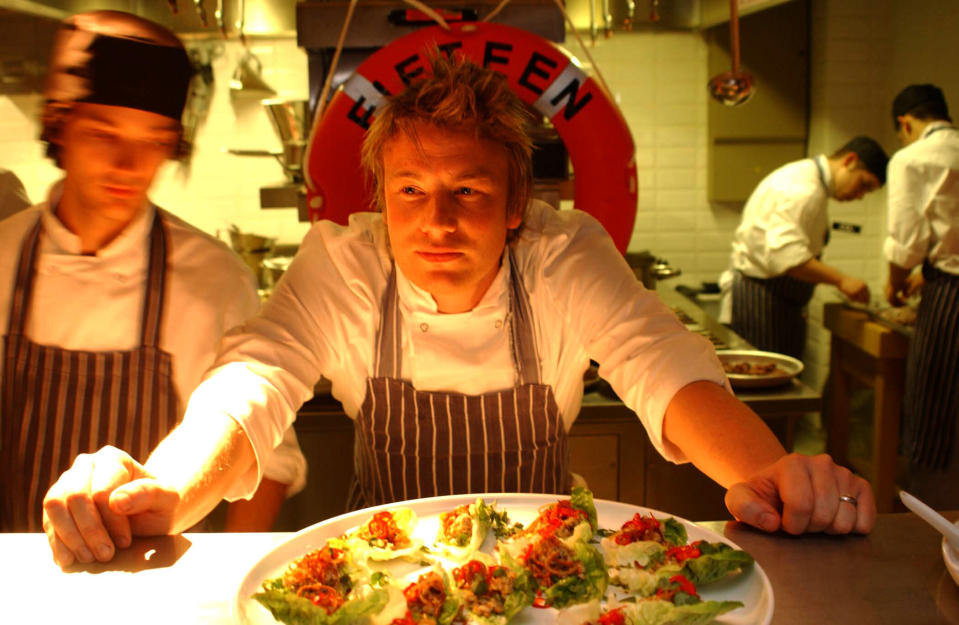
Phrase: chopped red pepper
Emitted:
{"points": [[406, 620], [683, 553], [638, 528], [464, 575], [383, 526], [613, 617], [556, 516]]}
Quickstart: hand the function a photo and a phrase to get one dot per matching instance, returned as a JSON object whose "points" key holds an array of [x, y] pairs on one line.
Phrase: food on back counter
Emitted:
{"points": [[368, 576], [752, 367], [903, 315]]}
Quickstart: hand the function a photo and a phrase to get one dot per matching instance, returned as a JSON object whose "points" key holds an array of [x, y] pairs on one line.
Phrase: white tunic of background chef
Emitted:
{"points": [[784, 224], [924, 201], [94, 303], [322, 317]]}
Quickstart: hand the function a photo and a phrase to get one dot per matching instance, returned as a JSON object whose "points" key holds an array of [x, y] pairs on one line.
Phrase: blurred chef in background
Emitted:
{"points": [[111, 307], [455, 327], [13, 197], [775, 266], [924, 231]]}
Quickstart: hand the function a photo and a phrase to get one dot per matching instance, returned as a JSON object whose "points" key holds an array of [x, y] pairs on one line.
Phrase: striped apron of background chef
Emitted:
{"points": [[58, 403], [411, 444], [769, 313], [931, 397]]}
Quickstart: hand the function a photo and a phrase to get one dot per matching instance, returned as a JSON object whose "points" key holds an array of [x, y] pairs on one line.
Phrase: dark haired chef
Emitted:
{"points": [[924, 232], [111, 308], [775, 263]]}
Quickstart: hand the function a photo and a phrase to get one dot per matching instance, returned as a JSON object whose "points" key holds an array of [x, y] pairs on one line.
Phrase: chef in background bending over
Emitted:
{"points": [[775, 266], [924, 232], [111, 308], [455, 326]]}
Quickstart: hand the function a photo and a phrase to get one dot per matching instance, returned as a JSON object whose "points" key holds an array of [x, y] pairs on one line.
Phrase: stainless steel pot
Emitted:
{"points": [[650, 269]]}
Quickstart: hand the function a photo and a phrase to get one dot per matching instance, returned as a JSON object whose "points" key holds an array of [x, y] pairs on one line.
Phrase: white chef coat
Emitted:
{"points": [[94, 303], [784, 224], [924, 201], [325, 311]]}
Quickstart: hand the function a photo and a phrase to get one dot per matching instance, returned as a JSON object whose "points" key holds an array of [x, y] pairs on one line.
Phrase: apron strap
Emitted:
{"points": [[522, 343], [23, 284], [156, 282], [386, 362]]}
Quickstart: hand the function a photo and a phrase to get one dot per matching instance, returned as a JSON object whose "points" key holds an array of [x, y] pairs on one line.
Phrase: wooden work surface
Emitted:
{"points": [[870, 354]]}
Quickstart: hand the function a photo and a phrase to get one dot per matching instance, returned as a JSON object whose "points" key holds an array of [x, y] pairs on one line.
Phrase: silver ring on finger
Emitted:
{"points": [[848, 499]]}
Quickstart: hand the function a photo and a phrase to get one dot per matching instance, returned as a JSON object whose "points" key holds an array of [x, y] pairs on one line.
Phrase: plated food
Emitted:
{"points": [[540, 559], [754, 368], [747, 367]]}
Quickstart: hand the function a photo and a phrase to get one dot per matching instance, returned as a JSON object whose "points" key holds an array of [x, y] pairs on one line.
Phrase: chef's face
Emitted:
{"points": [[853, 180], [445, 211], [111, 154]]}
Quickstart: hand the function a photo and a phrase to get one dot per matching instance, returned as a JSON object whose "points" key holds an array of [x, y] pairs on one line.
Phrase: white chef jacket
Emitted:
{"points": [[325, 312], [924, 201], [784, 224], [95, 303]]}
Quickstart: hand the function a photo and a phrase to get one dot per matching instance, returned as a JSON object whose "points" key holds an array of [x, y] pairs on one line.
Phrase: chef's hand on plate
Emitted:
{"points": [[854, 288], [100, 502], [799, 493]]}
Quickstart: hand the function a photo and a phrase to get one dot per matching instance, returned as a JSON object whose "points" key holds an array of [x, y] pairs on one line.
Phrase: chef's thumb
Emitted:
{"points": [[748, 506], [141, 496]]}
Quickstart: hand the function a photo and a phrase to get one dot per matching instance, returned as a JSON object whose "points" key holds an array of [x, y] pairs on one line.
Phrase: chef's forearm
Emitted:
{"points": [[201, 459], [719, 434], [897, 277], [817, 272]]}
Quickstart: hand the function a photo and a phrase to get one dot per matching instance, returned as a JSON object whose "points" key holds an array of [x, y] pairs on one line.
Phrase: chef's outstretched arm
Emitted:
{"points": [[107, 497], [766, 487], [818, 272]]}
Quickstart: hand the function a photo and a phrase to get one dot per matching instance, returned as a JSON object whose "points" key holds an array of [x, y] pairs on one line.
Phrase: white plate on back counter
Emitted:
{"points": [[751, 587], [950, 555], [787, 367]]}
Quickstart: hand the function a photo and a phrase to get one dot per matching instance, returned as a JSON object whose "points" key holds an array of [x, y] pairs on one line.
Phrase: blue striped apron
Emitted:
{"points": [[411, 444], [58, 403], [931, 396]]}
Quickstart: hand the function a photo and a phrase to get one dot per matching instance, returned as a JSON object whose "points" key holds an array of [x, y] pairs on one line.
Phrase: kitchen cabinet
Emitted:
{"points": [[747, 142]]}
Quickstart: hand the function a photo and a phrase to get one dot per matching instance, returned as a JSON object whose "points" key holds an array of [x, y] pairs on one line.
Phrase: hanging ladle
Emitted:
{"points": [[734, 87]]}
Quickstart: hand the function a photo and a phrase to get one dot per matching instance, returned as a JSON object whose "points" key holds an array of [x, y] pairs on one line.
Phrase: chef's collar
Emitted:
{"points": [[825, 174], [420, 300], [932, 127], [133, 238]]}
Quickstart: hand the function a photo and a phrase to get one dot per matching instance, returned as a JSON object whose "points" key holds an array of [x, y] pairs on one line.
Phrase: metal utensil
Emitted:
{"points": [[933, 518], [734, 87]]}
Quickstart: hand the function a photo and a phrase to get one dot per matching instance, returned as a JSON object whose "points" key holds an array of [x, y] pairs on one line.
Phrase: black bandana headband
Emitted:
{"points": [[138, 75]]}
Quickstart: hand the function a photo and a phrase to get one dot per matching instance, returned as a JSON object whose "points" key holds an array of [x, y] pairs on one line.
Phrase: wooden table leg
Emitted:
{"points": [[837, 441], [885, 434]]}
